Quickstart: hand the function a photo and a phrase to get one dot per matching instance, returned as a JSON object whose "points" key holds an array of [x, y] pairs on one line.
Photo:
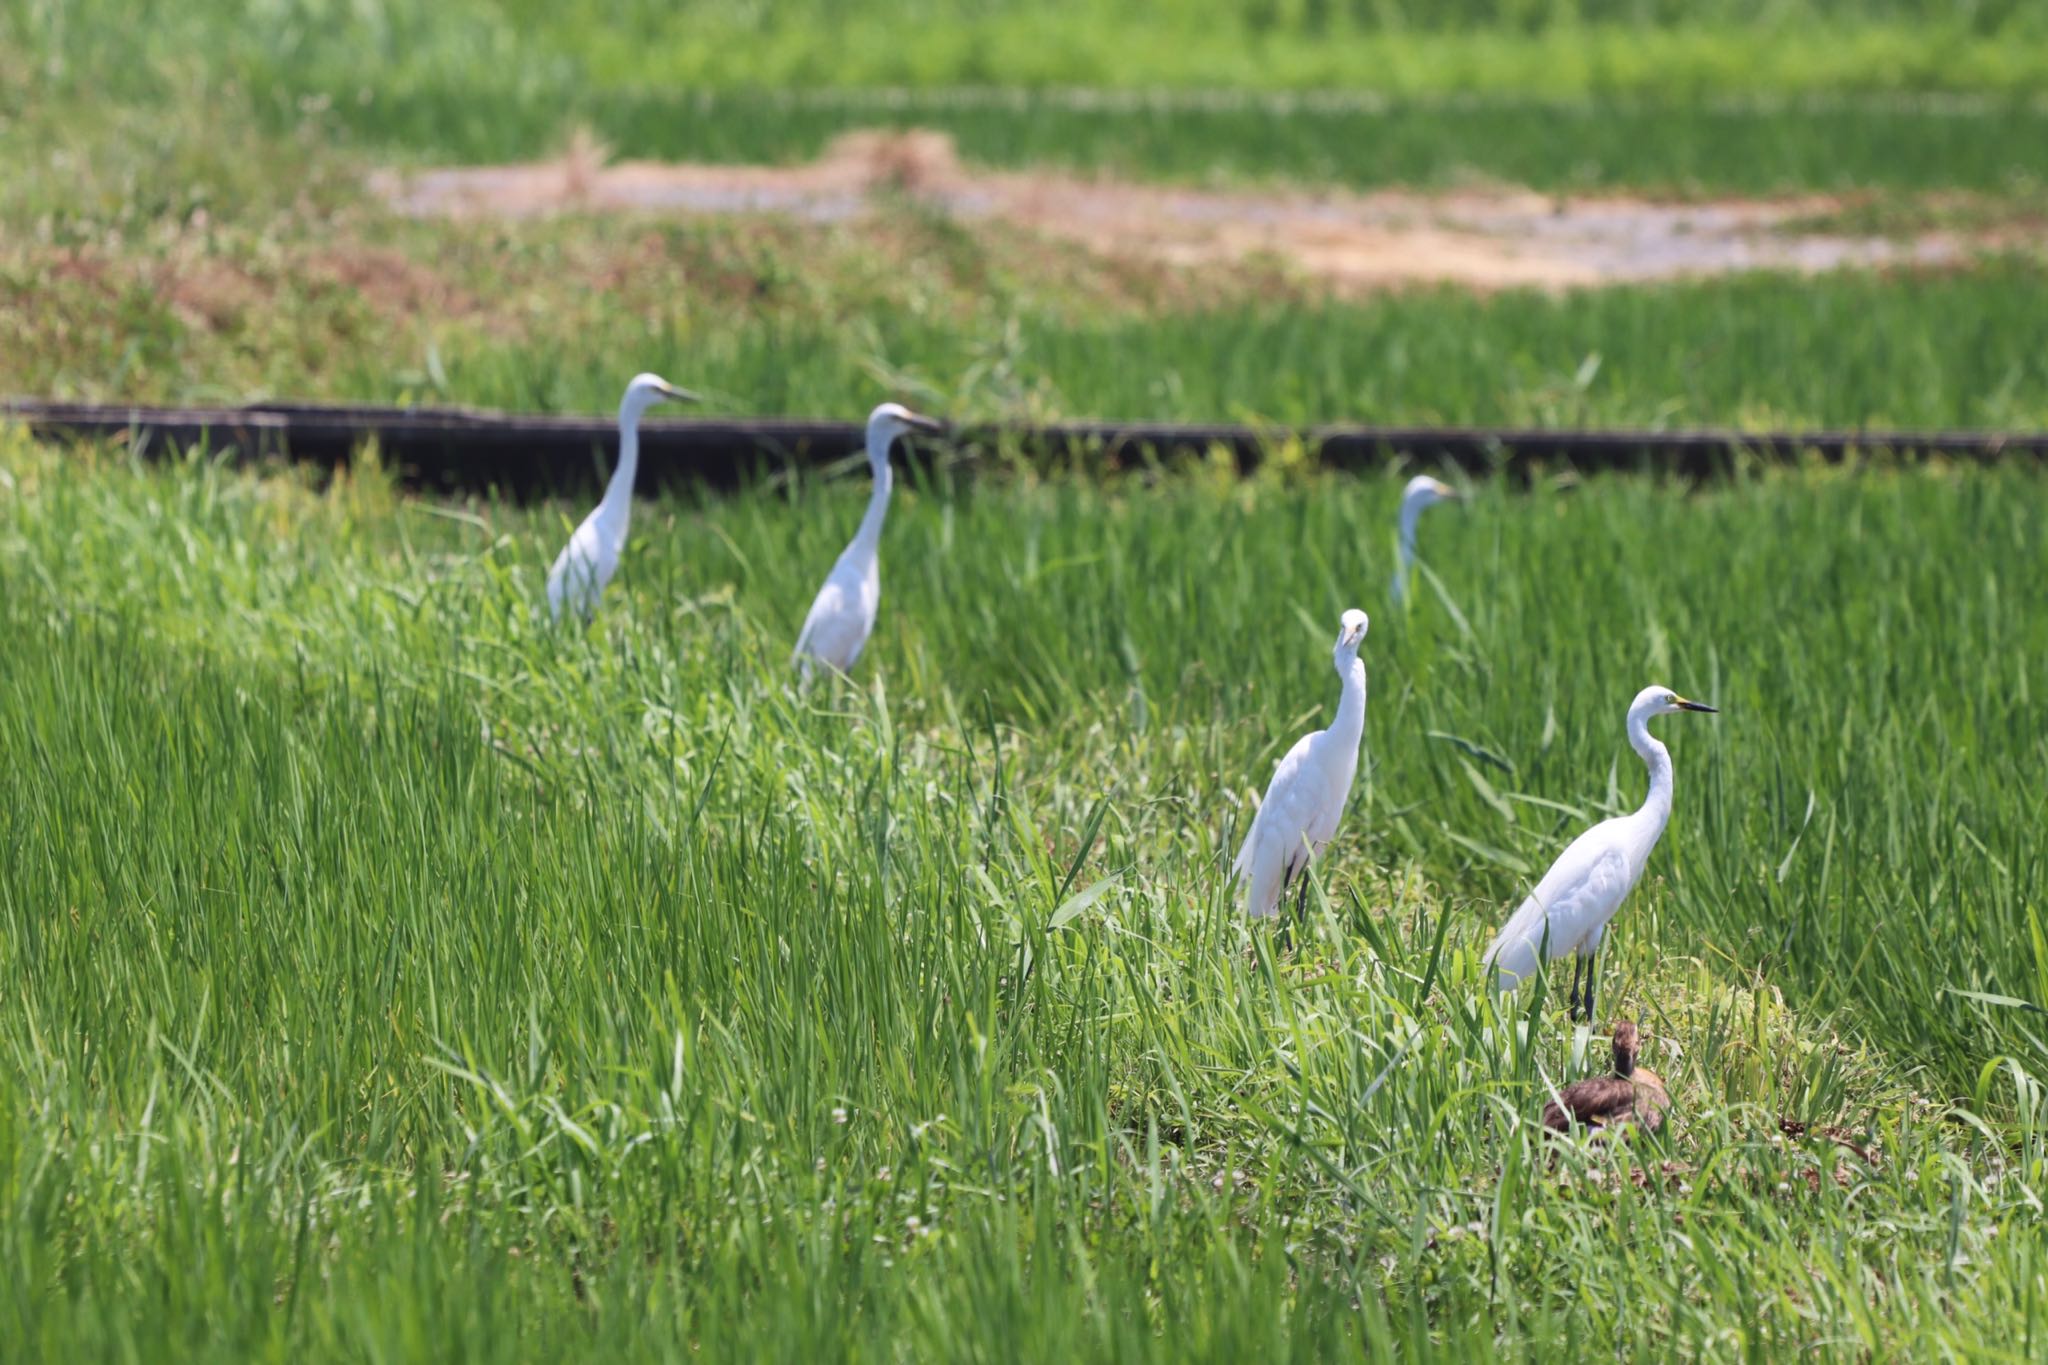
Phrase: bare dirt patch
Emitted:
{"points": [[1482, 239], [220, 289], [393, 285]]}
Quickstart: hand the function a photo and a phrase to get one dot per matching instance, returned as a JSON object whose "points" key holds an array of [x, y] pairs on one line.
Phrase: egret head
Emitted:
{"points": [[1351, 628], [1423, 491], [891, 420], [1659, 701], [648, 389]]}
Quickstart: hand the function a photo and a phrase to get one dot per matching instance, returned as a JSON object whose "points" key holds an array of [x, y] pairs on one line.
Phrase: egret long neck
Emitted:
{"points": [[617, 505], [1411, 512], [1657, 805], [868, 540], [1349, 726]]}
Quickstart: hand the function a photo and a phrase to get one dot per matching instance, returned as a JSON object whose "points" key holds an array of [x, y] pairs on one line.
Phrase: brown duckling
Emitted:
{"points": [[1632, 1096]]}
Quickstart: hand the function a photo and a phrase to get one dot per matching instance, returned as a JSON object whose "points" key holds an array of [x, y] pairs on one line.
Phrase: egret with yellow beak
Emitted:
{"points": [[843, 614], [1569, 910], [1311, 784], [591, 557], [1422, 493]]}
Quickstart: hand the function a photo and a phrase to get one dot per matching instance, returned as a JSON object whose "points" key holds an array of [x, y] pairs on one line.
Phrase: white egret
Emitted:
{"points": [[591, 557], [1310, 785], [1422, 492], [843, 613], [1570, 907]]}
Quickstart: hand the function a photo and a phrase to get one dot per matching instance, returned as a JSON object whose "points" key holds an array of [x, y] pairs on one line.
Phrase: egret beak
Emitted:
{"points": [[923, 423], [1444, 490], [1685, 705], [675, 394]]}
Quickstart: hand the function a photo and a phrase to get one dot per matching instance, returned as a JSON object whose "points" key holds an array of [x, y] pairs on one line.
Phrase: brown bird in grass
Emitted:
{"points": [[1634, 1096]]}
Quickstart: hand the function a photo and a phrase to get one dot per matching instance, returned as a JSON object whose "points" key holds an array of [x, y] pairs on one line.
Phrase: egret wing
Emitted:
{"points": [[1580, 893], [1274, 850], [835, 628], [1333, 790], [580, 571]]}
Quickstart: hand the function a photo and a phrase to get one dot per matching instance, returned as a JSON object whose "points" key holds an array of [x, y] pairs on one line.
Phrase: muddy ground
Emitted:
{"points": [[1482, 238]]}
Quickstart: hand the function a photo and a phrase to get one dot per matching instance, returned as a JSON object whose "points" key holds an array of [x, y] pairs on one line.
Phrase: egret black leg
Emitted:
{"points": [[1283, 938], [1592, 964], [1301, 903], [1578, 966]]}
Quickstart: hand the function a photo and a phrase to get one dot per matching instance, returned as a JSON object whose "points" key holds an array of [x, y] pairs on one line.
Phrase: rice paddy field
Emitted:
{"points": [[390, 974], [395, 976]]}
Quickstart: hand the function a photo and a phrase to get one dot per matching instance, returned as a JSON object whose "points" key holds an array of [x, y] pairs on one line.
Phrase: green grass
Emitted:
{"points": [[231, 150], [1669, 145], [542, 50], [105, 107], [777, 318], [394, 976]]}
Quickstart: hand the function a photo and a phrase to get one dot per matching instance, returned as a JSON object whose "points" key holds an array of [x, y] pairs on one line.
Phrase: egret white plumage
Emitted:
{"points": [[1569, 909], [1422, 493], [843, 614], [591, 557], [1310, 785]]}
